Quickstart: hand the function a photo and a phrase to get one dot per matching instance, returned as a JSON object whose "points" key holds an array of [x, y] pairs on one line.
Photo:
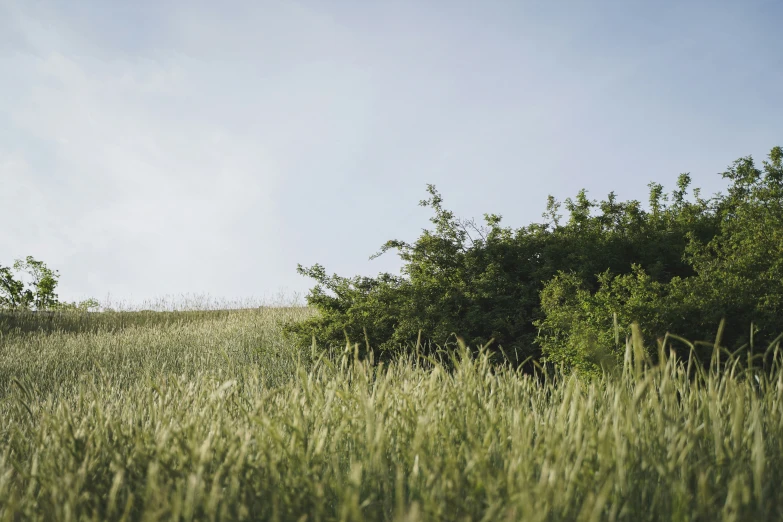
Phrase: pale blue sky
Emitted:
{"points": [[159, 148]]}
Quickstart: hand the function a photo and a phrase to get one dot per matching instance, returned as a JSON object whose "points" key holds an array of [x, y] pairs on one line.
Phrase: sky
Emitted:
{"points": [[162, 148]]}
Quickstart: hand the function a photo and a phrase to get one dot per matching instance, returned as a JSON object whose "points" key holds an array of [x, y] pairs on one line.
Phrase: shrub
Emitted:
{"points": [[566, 291]]}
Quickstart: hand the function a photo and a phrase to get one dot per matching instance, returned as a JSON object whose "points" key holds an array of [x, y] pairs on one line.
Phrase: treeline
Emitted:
{"points": [[568, 289]]}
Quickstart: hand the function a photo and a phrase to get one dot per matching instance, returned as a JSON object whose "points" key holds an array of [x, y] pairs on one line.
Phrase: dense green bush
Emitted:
{"points": [[737, 276], [569, 289]]}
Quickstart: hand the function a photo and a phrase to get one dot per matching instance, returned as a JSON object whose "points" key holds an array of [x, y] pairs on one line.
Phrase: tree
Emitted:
{"points": [[13, 295], [44, 282], [42, 296]]}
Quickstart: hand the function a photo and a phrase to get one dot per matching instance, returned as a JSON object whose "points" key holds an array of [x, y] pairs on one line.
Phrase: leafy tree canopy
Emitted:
{"points": [[40, 294]]}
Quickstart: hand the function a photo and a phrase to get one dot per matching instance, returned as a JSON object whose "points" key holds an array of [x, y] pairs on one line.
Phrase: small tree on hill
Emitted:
{"points": [[41, 295]]}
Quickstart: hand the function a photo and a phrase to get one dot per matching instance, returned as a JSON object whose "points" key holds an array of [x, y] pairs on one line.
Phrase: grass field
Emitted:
{"points": [[214, 416]]}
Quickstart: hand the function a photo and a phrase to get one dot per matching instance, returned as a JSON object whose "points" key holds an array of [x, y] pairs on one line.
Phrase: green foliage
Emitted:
{"points": [[736, 276], [88, 305], [484, 283], [12, 291], [568, 289], [740, 271], [586, 330], [458, 279], [41, 296]]}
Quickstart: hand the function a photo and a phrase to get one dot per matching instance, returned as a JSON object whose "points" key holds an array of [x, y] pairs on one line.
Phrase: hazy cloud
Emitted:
{"points": [[153, 148]]}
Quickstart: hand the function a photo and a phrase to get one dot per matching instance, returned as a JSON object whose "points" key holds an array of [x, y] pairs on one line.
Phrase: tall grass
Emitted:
{"points": [[219, 419], [52, 353]]}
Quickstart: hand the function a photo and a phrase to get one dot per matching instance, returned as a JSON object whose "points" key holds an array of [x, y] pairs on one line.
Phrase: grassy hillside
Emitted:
{"points": [[213, 416]]}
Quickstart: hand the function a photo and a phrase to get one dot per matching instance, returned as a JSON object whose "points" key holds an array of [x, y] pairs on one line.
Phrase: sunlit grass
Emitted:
{"points": [[218, 417], [128, 346]]}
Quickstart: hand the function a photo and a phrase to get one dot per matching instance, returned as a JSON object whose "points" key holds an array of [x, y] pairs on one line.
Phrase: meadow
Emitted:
{"points": [[214, 415]]}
